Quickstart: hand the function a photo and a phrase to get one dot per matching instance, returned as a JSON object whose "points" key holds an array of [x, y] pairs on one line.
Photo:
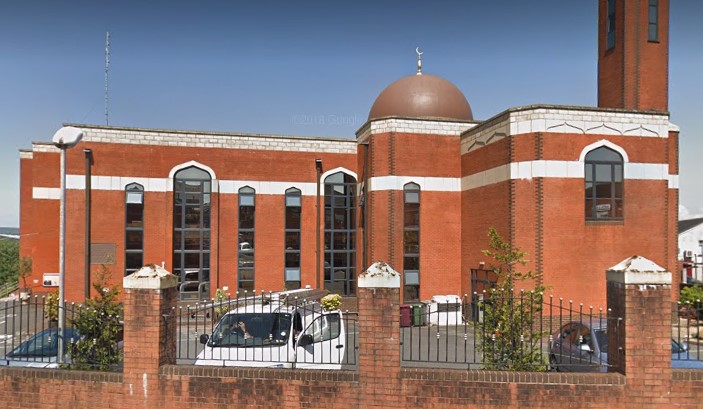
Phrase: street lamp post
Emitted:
{"points": [[65, 138]]}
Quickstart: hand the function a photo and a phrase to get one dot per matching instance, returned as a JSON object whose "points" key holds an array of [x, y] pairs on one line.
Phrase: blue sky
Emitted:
{"points": [[268, 67]]}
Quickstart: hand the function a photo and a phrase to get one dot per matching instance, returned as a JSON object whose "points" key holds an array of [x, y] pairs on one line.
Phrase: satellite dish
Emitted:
{"points": [[67, 137]]}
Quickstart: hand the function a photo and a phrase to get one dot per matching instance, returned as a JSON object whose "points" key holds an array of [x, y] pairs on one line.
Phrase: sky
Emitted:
{"points": [[306, 68]]}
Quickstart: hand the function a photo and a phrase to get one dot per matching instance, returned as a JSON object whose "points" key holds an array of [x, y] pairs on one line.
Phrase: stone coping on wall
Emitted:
{"points": [[429, 374], [260, 373], [542, 378], [62, 374], [686, 375]]}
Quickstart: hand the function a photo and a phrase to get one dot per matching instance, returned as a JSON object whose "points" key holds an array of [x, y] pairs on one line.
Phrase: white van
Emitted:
{"points": [[276, 334]]}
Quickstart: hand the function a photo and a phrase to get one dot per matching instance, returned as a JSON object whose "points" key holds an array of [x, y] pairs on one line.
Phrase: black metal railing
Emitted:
{"points": [[687, 335], [29, 336], [516, 331], [286, 330]]}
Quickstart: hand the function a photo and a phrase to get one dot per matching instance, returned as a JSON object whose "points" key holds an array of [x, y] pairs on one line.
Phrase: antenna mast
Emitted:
{"points": [[107, 78]]}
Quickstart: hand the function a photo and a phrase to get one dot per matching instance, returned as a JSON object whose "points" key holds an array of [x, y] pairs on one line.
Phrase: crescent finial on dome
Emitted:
{"points": [[419, 60]]}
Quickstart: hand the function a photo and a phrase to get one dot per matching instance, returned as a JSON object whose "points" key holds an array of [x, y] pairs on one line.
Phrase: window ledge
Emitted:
{"points": [[606, 222]]}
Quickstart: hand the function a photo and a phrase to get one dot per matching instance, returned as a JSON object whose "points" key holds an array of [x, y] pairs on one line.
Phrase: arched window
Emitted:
{"points": [[340, 233], [134, 228], [292, 239], [245, 281], [411, 242], [604, 184], [191, 231]]}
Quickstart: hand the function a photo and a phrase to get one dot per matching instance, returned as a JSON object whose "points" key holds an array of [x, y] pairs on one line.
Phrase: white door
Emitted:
{"points": [[322, 344]]}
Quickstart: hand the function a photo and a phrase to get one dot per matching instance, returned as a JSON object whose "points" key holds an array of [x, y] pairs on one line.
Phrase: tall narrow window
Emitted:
{"points": [[604, 184], [134, 228], [610, 24], [292, 239], [191, 232], [653, 33], [340, 234], [245, 280], [411, 242]]}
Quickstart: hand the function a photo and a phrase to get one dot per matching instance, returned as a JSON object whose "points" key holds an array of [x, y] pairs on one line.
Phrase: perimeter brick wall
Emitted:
{"points": [[150, 380]]}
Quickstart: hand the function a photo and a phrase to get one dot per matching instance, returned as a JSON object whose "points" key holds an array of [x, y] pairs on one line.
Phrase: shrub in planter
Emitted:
{"points": [[221, 303], [331, 302]]}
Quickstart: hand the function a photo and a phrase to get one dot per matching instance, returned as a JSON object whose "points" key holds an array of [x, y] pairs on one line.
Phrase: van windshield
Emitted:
{"points": [[252, 329]]}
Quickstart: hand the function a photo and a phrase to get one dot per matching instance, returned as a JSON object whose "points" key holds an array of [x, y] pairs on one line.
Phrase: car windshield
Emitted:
{"points": [[602, 339], [252, 329], [42, 344], [677, 348]]}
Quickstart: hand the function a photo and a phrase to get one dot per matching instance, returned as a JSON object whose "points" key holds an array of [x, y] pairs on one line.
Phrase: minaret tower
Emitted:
{"points": [[633, 54]]}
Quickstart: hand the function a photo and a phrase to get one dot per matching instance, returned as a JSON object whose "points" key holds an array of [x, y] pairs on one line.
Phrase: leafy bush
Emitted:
{"points": [[51, 306], [331, 302], [221, 304], [691, 295], [98, 324], [509, 339]]}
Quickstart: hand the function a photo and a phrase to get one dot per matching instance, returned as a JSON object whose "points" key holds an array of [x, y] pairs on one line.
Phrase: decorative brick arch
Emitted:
{"points": [[192, 163], [607, 144], [335, 170], [332, 172]]}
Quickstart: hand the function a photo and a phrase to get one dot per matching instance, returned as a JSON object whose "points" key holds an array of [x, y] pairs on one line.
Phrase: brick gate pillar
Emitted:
{"points": [[639, 329], [379, 331], [149, 329]]}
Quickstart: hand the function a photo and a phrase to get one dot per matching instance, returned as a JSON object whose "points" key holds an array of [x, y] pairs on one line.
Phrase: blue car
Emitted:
{"points": [[583, 347], [40, 350]]}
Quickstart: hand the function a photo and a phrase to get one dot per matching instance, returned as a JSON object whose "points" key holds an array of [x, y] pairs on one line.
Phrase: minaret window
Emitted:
{"points": [[653, 29], [610, 24]]}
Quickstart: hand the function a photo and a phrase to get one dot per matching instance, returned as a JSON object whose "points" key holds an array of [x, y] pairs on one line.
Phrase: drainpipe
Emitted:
{"points": [[88, 162], [318, 168]]}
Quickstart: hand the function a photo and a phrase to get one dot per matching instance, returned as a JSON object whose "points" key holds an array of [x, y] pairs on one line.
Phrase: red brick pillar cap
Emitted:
{"points": [[379, 275], [151, 277], [638, 270]]}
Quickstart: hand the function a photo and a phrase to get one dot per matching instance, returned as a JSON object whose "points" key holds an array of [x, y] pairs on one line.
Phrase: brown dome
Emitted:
{"points": [[422, 96]]}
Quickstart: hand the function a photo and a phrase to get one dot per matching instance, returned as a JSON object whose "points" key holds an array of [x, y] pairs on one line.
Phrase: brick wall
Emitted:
{"points": [[150, 380]]}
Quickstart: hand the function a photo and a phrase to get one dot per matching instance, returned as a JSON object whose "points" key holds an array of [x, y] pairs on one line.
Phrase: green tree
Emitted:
{"points": [[9, 260], [691, 295], [24, 270], [98, 323], [691, 302], [510, 338]]}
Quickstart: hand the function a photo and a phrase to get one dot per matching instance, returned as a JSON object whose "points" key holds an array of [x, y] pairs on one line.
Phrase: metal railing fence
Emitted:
{"points": [[29, 334], [505, 331], [8, 288], [687, 335]]}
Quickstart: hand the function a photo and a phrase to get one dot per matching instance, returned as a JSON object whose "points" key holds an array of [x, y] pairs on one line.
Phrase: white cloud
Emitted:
{"points": [[685, 214]]}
